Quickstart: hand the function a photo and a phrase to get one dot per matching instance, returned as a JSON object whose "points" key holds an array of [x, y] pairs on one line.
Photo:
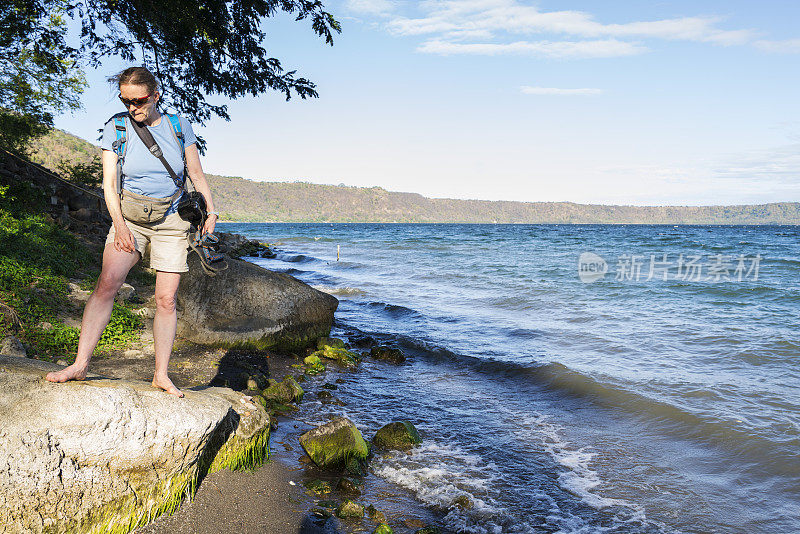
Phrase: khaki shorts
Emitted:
{"points": [[167, 238]]}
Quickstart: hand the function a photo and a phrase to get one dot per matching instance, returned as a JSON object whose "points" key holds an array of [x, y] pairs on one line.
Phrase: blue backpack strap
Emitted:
{"points": [[175, 122], [120, 145]]}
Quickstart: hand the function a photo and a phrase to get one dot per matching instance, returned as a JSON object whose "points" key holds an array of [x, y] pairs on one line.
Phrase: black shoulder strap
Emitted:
{"points": [[147, 138]]}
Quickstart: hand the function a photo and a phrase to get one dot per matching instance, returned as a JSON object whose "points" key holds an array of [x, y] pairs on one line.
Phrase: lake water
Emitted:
{"points": [[660, 397]]}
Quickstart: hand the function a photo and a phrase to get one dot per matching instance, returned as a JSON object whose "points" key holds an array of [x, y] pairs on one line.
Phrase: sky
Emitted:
{"points": [[625, 102]]}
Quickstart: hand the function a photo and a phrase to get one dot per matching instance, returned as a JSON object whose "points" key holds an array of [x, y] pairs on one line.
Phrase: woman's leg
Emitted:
{"points": [[97, 312], [165, 324]]}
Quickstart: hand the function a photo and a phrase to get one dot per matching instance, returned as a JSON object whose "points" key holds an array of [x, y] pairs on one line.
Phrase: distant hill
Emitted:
{"points": [[238, 199]]}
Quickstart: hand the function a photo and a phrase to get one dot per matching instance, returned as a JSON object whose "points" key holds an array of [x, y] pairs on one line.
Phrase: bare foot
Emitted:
{"points": [[167, 385], [73, 372]]}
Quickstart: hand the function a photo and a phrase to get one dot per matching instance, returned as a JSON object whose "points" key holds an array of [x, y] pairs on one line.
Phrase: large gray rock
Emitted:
{"points": [[249, 306], [107, 455]]}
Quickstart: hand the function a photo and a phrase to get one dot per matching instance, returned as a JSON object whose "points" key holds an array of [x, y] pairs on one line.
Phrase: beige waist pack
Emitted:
{"points": [[141, 209]]}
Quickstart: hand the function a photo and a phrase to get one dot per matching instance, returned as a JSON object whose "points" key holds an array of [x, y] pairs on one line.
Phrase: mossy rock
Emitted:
{"points": [[428, 530], [314, 365], [341, 355], [350, 509], [389, 354], [350, 485], [383, 528], [312, 359], [463, 502], [375, 514], [317, 486], [356, 467], [400, 435], [257, 381], [335, 443], [330, 342], [284, 392]]}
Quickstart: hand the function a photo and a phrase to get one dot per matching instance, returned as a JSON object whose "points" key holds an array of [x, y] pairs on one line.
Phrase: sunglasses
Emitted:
{"points": [[135, 101]]}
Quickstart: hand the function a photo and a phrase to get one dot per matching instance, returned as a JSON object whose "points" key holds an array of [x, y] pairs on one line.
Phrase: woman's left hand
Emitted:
{"points": [[211, 221]]}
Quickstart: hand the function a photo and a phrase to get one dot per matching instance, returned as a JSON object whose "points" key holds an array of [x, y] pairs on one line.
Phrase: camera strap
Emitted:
{"points": [[147, 138]]}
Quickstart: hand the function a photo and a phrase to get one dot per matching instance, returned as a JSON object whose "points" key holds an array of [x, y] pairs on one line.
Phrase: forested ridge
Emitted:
{"points": [[240, 199]]}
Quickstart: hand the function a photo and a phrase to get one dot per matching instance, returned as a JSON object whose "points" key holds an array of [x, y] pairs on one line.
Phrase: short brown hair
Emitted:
{"points": [[136, 76]]}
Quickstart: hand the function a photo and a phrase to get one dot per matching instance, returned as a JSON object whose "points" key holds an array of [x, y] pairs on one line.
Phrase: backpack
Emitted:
{"points": [[120, 145]]}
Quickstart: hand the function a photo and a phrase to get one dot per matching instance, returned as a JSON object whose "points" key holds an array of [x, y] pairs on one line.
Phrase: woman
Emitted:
{"points": [[144, 174]]}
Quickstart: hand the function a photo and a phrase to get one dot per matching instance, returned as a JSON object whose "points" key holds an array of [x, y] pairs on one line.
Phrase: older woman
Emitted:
{"points": [[143, 176]]}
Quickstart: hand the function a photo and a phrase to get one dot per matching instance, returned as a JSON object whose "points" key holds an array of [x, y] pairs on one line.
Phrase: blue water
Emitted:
{"points": [[560, 405]]}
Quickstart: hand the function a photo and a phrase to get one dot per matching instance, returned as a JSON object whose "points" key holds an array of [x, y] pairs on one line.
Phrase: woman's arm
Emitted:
{"points": [[200, 184], [123, 238]]}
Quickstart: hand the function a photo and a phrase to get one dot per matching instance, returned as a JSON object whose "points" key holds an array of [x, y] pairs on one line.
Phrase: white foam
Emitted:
{"points": [[579, 479], [339, 290]]}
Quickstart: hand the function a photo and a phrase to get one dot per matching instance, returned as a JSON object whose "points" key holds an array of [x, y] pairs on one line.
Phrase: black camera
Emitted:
{"points": [[192, 208]]}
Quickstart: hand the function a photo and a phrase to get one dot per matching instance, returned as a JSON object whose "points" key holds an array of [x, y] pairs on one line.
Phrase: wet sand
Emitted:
{"points": [[260, 502]]}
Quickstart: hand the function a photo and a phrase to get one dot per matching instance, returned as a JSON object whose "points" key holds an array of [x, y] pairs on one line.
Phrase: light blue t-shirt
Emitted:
{"points": [[144, 173]]}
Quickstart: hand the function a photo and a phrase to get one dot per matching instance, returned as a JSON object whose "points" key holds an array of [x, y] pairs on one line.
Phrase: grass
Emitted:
{"points": [[37, 259]]}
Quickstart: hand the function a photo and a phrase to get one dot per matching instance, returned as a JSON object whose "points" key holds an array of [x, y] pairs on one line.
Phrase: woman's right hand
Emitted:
{"points": [[123, 238]]}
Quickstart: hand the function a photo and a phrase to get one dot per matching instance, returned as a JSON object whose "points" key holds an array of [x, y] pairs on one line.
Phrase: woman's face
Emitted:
{"points": [[131, 96]]}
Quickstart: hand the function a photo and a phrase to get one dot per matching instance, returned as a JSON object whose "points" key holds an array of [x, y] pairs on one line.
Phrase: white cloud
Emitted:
{"points": [[788, 46], [549, 49], [509, 16], [370, 7], [528, 90]]}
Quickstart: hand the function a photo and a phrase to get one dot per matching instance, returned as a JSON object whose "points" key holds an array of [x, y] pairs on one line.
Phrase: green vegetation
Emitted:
{"points": [[239, 199], [223, 42], [37, 258], [39, 74], [244, 200]]}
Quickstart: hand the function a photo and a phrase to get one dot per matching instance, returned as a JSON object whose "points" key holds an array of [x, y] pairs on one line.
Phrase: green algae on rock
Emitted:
{"points": [[383, 528], [375, 514], [350, 509], [284, 392], [314, 365], [87, 456], [400, 435], [341, 355], [247, 306], [317, 486], [335, 443], [350, 485], [330, 342], [388, 354]]}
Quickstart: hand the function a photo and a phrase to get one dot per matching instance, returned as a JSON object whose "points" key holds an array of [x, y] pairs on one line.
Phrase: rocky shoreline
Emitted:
{"points": [[112, 454]]}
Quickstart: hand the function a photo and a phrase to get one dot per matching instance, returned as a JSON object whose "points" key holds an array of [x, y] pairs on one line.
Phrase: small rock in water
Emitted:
{"points": [[330, 386], [349, 485], [350, 509], [375, 514], [383, 528], [335, 442], [463, 502], [413, 523], [388, 354], [400, 435], [363, 342], [428, 530], [330, 342], [317, 486]]}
